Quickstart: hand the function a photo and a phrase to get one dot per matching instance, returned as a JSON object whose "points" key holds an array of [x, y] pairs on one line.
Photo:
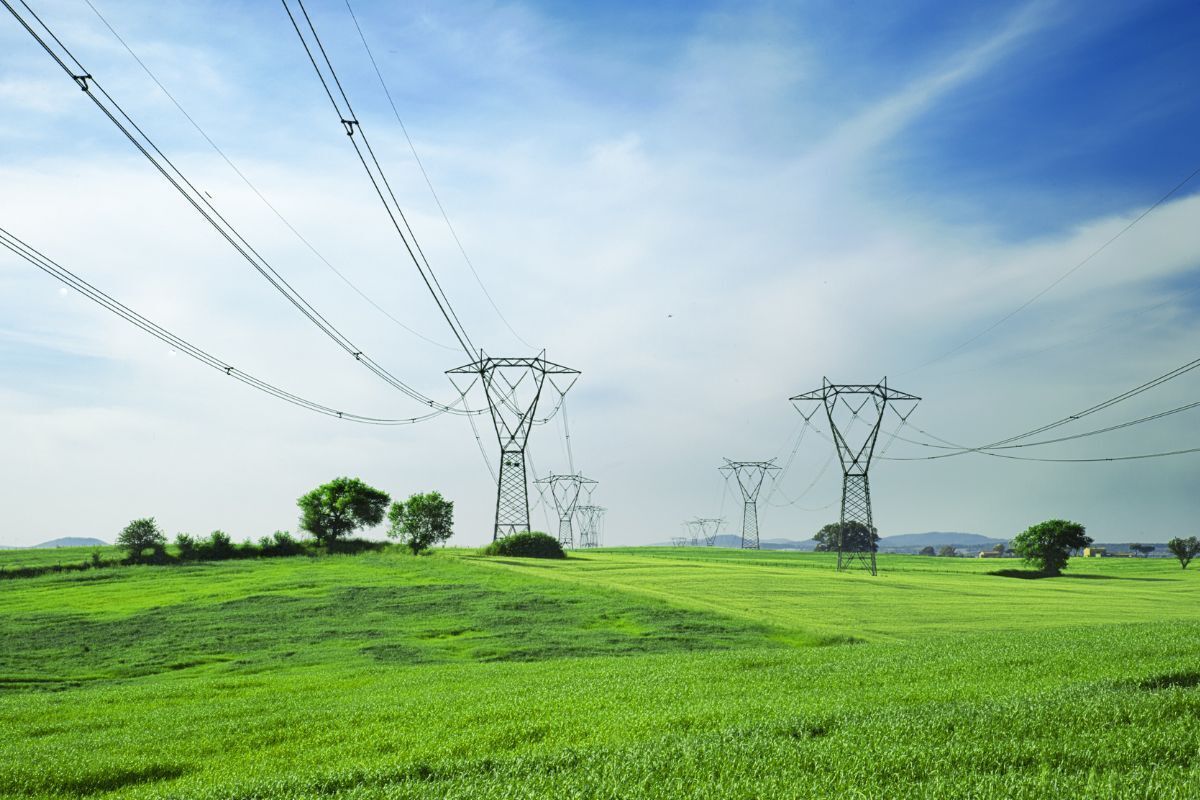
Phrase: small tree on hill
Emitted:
{"points": [[422, 521], [858, 538], [928, 550], [142, 535], [1184, 549], [1048, 544], [341, 507], [948, 551]]}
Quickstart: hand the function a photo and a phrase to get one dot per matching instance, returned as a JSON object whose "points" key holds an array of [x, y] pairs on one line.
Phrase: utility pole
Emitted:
{"points": [[750, 475], [564, 489], [589, 524], [844, 407], [513, 388], [704, 529]]}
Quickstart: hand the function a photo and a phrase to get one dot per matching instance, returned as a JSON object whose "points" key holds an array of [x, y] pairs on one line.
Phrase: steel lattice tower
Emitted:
{"points": [[750, 475], [705, 529], [564, 490], [513, 388], [844, 405], [589, 524]]}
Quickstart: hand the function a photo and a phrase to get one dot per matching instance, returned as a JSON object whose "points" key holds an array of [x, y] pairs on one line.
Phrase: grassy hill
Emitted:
{"points": [[679, 672]]}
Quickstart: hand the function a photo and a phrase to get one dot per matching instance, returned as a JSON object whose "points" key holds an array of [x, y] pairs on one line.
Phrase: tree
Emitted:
{"points": [[1184, 549], [858, 538], [422, 521], [947, 551], [340, 507], [1048, 544], [928, 550], [1144, 549], [998, 548], [142, 535]]}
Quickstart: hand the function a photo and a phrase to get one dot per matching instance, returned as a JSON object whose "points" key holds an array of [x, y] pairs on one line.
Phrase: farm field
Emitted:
{"points": [[655, 673], [50, 556]]}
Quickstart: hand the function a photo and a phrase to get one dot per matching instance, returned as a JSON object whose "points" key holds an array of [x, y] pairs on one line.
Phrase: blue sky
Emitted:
{"points": [[705, 206]]}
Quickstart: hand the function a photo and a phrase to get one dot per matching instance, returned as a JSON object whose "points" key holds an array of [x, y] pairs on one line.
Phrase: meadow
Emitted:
{"points": [[641, 673]]}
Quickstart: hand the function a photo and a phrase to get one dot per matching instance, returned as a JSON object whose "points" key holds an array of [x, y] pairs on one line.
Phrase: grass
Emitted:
{"points": [[615, 674], [51, 556]]}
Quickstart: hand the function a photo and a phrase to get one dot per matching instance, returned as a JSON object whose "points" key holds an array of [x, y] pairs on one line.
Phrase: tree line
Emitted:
{"points": [[1046, 546], [331, 513]]}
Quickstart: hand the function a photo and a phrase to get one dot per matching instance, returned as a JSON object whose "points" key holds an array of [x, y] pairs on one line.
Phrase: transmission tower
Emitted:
{"points": [[564, 490], [750, 475], [513, 388], [844, 406], [705, 529], [590, 517]]}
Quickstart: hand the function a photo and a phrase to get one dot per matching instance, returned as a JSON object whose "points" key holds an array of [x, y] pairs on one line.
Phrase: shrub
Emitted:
{"points": [[187, 546], [530, 544], [279, 544], [217, 547]]}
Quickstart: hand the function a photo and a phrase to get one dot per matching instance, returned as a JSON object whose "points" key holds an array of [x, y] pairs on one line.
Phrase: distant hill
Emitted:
{"points": [[65, 541], [937, 539]]}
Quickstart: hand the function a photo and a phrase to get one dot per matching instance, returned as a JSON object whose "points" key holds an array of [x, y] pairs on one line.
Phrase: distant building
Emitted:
{"points": [[1094, 552], [990, 554]]}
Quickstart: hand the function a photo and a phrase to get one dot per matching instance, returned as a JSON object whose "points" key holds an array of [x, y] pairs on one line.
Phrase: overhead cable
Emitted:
{"points": [[428, 182], [70, 279], [142, 142], [353, 129], [312, 248]]}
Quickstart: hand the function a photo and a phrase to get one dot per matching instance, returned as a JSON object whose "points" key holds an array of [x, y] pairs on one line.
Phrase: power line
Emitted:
{"points": [[1011, 442], [428, 182], [146, 146], [25, 251], [377, 176], [1061, 277], [312, 248]]}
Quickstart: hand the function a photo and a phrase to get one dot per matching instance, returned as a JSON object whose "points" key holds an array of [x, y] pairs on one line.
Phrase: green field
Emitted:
{"points": [[657, 673], [50, 556]]}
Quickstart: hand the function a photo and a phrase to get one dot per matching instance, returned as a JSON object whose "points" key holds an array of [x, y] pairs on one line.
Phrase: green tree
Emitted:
{"points": [[341, 507], [421, 521], [142, 535], [947, 551], [858, 538], [1048, 544], [928, 550], [1184, 549], [998, 548]]}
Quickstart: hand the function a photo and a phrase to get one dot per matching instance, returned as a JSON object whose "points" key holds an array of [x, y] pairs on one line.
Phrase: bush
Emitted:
{"points": [[530, 544], [187, 546], [217, 547], [279, 544]]}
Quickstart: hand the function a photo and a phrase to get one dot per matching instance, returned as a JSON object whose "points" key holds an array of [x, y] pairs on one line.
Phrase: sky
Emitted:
{"points": [[705, 207]]}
